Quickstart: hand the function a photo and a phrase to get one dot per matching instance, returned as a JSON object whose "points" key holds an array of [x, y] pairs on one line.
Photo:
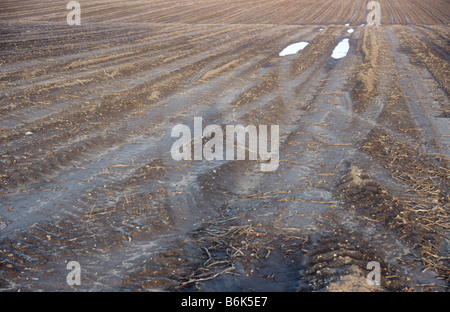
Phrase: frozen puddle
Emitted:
{"points": [[293, 48], [341, 49], [350, 31]]}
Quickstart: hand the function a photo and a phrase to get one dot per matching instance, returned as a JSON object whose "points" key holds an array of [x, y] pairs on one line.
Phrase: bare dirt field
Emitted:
{"points": [[86, 172]]}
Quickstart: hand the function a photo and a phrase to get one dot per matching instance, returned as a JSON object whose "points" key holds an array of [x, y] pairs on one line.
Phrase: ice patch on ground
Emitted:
{"points": [[293, 48], [341, 49], [350, 31]]}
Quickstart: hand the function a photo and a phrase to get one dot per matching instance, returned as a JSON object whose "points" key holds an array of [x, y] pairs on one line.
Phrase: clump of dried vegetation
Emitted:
{"points": [[226, 242], [419, 213]]}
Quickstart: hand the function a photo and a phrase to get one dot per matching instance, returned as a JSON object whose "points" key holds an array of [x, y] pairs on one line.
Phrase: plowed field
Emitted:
{"points": [[86, 172]]}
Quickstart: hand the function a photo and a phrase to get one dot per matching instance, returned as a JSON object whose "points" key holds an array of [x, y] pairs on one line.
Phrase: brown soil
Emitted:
{"points": [[86, 172]]}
